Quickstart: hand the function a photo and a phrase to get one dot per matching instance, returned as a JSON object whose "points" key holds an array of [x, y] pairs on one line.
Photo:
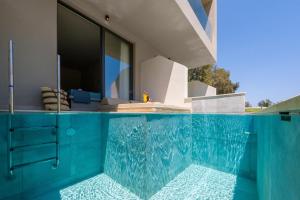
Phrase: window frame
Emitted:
{"points": [[102, 51], [131, 68]]}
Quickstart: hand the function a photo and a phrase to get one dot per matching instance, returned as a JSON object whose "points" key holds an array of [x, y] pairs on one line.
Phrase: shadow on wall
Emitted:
{"points": [[246, 183]]}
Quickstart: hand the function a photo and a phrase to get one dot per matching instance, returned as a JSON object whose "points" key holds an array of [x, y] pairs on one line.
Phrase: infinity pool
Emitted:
{"points": [[150, 156]]}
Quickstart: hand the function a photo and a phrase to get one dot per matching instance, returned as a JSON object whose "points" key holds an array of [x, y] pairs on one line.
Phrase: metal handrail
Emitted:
{"points": [[10, 149], [11, 103], [33, 128], [58, 84], [31, 163], [28, 146], [11, 77], [58, 110]]}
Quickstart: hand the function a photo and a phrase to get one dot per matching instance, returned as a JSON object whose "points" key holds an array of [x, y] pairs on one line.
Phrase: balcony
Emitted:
{"points": [[170, 26], [201, 9]]}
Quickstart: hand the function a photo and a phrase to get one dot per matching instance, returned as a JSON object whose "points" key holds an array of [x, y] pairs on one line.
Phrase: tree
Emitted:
{"points": [[222, 82], [248, 104], [203, 74], [265, 103], [214, 76]]}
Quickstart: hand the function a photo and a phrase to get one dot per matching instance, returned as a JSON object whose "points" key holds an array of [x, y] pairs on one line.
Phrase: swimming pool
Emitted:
{"points": [[153, 156]]}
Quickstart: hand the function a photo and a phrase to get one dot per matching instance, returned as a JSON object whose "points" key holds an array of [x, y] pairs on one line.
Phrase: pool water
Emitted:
{"points": [[151, 156], [195, 182]]}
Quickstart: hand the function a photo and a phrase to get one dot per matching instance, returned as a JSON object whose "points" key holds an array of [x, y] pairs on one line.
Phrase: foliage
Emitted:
{"points": [[222, 82], [248, 104], [252, 109], [214, 76], [204, 74], [265, 103]]}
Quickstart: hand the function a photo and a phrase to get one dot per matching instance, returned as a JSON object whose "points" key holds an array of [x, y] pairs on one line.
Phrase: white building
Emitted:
{"points": [[116, 48]]}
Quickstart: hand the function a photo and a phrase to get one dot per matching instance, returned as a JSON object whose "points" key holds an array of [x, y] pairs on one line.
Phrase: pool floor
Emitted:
{"points": [[194, 183], [198, 182]]}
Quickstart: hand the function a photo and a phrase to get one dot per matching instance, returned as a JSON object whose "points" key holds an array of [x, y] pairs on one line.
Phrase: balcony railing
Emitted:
{"points": [[202, 16]]}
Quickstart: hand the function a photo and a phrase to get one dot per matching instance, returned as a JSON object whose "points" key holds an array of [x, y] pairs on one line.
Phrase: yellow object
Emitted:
{"points": [[146, 97]]}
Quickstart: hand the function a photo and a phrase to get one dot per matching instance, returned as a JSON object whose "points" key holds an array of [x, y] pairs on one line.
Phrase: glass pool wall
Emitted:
{"points": [[144, 152], [278, 158]]}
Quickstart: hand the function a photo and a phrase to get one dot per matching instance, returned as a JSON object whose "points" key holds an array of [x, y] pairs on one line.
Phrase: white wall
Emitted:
{"points": [[193, 20], [32, 26], [165, 80], [197, 88], [227, 103]]}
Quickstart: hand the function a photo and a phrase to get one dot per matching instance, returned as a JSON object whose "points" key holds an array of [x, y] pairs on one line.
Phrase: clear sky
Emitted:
{"points": [[259, 43]]}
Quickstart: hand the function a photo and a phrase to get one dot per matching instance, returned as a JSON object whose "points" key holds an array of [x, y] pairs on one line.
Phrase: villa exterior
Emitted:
{"points": [[119, 49], [114, 50]]}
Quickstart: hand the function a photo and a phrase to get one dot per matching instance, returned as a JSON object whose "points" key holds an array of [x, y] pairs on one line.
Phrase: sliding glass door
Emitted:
{"points": [[118, 67], [79, 44], [93, 58]]}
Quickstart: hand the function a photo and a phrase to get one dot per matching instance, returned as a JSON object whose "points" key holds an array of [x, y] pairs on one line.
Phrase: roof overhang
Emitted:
{"points": [[169, 26]]}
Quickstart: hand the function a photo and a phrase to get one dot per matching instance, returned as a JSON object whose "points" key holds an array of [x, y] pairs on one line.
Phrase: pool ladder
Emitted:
{"points": [[23, 130], [12, 130]]}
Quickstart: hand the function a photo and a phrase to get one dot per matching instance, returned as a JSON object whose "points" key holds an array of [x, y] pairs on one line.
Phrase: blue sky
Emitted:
{"points": [[259, 43]]}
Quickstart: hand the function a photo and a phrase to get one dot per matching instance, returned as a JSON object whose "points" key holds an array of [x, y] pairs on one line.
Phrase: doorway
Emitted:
{"points": [[93, 58], [79, 44]]}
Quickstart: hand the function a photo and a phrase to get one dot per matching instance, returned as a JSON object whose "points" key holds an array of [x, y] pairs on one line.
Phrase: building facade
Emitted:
{"points": [[103, 45]]}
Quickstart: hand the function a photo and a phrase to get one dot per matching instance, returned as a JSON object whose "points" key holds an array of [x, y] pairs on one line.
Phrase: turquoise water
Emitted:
{"points": [[278, 157], [195, 182], [149, 156]]}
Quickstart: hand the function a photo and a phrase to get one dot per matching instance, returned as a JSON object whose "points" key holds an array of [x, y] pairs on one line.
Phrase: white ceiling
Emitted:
{"points": [[161, 23]]}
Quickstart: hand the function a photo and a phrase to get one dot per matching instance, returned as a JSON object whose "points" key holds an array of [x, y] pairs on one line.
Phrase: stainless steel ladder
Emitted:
{"points": [[12, 130]]}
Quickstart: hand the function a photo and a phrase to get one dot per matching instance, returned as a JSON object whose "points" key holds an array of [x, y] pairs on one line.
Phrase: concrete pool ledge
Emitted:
{"points": [[224, 103], [190, 99], [151, 107]]}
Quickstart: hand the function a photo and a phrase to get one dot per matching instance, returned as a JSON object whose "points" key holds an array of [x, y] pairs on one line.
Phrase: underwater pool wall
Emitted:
{"points": [[278, 158], [226, 143], [143, 152], [82, 153], [146, 151]]}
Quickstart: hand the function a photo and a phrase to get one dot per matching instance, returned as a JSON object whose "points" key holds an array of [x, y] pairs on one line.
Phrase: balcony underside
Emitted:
{"points": [[165, 25]]}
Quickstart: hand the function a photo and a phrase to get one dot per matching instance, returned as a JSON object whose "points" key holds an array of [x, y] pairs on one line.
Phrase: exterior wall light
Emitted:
{"points": [[107, 18]]}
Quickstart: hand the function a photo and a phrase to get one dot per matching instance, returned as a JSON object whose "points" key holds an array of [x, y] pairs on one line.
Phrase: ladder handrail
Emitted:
{"points": [[11, 103], [32, 163], [10, 148], [58, 111], [58, 84], [11, 77]]}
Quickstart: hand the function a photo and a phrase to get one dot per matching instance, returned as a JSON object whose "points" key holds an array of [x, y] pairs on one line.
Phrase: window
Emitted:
{"points": [[79, 44], [93, 58], [118, 67]]}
